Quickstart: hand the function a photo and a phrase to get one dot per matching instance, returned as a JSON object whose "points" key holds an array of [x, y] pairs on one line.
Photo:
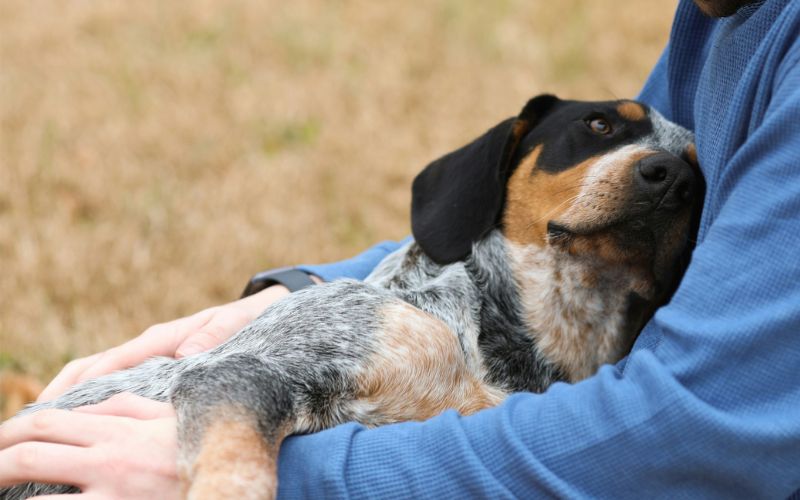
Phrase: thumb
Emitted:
{"points": [[199, 342], [126, 404]]}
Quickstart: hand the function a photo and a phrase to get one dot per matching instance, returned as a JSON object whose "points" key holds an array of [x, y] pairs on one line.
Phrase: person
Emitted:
{"points": [[706, 405]]}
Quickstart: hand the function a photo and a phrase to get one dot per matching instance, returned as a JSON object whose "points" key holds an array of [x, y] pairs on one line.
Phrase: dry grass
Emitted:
{"points": [[155, 154]]}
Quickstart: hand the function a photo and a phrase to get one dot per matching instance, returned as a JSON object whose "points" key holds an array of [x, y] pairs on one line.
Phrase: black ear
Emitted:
{"points": [[458, 198]]}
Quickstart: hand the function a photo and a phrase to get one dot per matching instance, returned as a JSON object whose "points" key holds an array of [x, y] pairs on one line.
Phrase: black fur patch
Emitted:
{"points": [[567, 140], [458, 198]]}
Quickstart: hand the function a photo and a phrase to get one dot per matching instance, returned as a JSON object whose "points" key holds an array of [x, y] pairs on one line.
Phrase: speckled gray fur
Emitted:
{"points": [[310, 344]]}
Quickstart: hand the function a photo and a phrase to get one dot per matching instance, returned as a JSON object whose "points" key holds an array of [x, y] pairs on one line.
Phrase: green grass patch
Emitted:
{"points": [[289, 135]]}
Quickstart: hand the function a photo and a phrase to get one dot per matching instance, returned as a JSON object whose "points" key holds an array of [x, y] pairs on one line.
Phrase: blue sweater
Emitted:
{"points": [[708, 403]]}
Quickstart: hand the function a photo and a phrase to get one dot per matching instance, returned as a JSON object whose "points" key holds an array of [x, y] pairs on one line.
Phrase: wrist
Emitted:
{"points": [[293, 279], [268, 287], [255, 304]]}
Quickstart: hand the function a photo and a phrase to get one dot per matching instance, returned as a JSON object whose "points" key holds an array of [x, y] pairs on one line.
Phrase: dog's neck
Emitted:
{"points": [[537, 316], [580, 312]]}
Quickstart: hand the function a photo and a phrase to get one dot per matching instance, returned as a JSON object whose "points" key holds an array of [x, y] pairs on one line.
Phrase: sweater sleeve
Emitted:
{"points": [[655, 92], [711, 411], [357, 267]]}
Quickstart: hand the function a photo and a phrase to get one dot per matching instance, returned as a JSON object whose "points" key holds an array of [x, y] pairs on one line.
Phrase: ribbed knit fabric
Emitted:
{"points": [[708, 403], [357, 267]]}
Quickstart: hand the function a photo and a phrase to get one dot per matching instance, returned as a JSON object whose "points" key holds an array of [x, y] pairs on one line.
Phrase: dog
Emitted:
{"points": [[540, 250]]}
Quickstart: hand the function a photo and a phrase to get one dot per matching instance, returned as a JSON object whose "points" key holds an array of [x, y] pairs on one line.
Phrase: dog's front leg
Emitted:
{"points": [[233, 414]]}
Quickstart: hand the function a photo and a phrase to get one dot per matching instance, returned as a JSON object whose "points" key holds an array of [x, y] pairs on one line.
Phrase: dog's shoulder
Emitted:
{"points": [[409, 270]]}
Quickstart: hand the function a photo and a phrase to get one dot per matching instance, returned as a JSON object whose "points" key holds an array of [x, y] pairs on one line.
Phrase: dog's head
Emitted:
{"points": [[613, 181]]}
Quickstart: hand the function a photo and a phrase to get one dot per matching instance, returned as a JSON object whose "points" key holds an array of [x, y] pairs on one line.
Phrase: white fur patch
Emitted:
{"points": [[576, 325]]}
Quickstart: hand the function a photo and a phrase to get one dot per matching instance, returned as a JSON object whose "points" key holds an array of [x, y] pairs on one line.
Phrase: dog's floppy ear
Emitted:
{"points": [[457, 199]]}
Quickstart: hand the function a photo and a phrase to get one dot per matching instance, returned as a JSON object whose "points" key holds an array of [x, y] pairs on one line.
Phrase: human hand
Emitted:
{"points": [[125, 447], [181, 337]]}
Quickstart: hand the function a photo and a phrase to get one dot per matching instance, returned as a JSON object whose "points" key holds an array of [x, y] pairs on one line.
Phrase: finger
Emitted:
{"points": [[197, 343], [54, 426], [216, 331], [46, 463], [159, 340], [130, 405], [69, 496], [66, 378]]}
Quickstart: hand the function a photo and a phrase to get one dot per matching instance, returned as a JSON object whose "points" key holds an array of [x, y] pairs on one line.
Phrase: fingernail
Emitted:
{"points": [[188, 350]]}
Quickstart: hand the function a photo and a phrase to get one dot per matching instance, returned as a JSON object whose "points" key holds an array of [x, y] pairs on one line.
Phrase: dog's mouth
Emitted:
{"points": [[632, 228], [640, 239], [651, 243]]}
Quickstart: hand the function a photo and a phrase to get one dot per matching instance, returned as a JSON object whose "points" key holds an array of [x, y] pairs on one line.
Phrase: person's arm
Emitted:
{"points": [[207, 328], [683, 63], [357, 267], [655, 91], [709, 412]]}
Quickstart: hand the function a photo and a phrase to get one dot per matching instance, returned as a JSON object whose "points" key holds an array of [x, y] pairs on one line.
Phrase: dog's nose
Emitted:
{"points": [[665, 180]]}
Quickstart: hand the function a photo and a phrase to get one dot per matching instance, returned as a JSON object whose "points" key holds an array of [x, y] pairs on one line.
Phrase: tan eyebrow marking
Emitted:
{"points": [[691, 152], [631, 111], [534, 196]]}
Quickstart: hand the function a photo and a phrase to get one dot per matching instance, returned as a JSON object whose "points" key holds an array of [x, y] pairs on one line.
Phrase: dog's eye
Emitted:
{"points": [[599, 126]]}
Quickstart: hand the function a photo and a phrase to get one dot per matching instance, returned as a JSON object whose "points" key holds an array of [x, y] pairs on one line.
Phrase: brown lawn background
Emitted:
{"points": [[154, 154]]}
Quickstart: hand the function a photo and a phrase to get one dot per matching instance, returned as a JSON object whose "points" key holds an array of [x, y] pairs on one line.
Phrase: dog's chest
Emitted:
{"points": [[576, 315]]}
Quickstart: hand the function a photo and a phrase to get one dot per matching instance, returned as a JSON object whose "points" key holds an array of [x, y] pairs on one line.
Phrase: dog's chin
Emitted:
{"points": [[650, 248], [617, 240]]}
